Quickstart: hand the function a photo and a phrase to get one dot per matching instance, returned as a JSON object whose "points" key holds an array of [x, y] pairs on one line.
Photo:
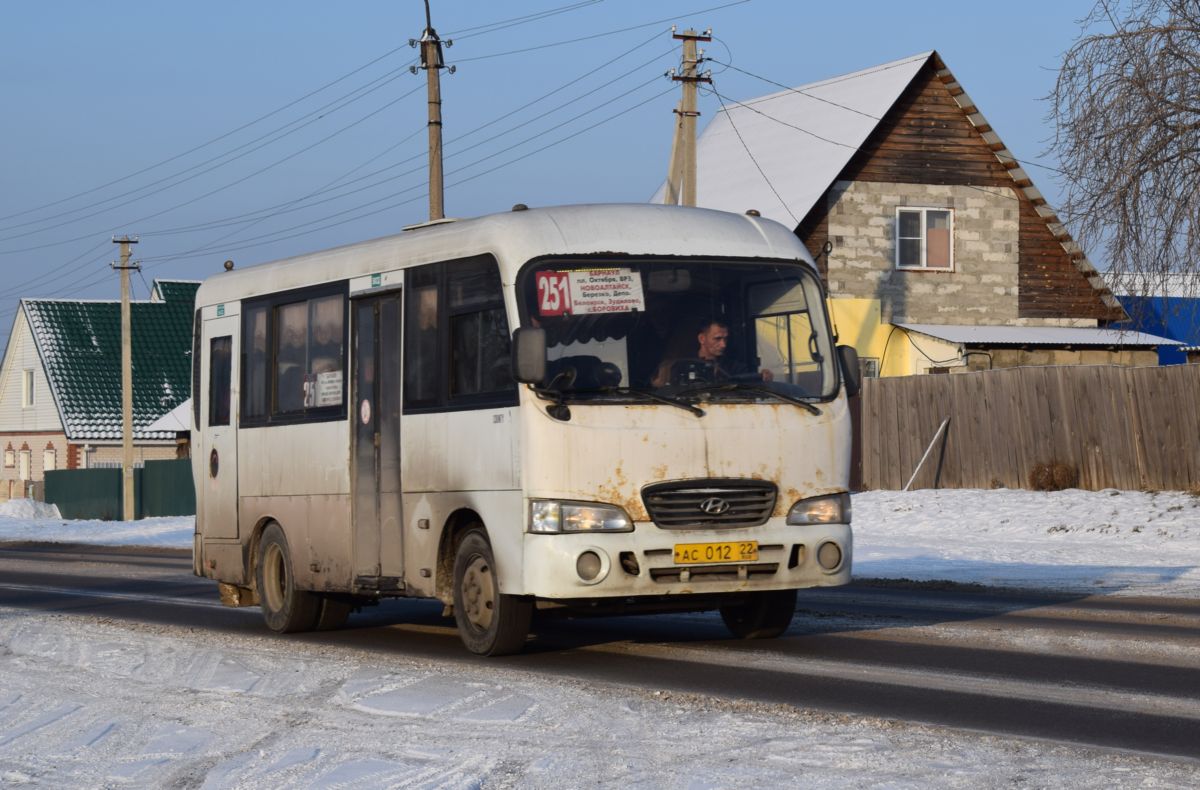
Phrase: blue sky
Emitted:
{"points": [[95, 92]]}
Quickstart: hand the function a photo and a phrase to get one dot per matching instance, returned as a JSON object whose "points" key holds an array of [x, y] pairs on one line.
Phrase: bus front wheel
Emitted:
{"points": [[761, 615], [489, 623], [285, 608]]}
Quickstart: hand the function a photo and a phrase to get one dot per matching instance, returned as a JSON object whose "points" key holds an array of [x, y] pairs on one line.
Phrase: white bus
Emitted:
{"points": [[586, 409]]}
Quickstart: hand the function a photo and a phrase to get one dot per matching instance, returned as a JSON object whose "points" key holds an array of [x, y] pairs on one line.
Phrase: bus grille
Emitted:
{"points": [[696, 504]]}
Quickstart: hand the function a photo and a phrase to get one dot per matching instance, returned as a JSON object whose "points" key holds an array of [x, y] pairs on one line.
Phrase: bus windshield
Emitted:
{"points": [[721, 330]]}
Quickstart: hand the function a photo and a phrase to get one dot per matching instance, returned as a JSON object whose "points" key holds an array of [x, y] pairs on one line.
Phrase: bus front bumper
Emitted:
{"points": [[650, 561]]}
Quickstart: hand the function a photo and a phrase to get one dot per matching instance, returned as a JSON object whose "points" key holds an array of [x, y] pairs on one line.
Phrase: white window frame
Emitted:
{"points": [[924, 211], [27, 383], [10, 458], [25, 465], [49, 460]]}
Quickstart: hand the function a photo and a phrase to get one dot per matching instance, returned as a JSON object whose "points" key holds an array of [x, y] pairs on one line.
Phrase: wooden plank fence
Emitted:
{"points": [[1117, 427]]}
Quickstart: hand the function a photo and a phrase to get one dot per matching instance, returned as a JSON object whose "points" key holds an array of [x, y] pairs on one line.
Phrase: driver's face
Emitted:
{"points": [[712, 341]]}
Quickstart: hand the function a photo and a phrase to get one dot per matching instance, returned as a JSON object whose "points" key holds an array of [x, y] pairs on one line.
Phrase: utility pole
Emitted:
{"points": [[682, 171], [431, 61], [126, 375]]}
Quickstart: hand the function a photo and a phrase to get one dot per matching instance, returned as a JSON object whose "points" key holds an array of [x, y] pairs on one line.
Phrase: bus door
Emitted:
{"points": [[218, 423], [375, 457]]}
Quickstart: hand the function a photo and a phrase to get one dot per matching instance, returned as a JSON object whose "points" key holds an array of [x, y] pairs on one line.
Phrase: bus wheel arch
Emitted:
{"points": [[286, 608], [457, 525]]}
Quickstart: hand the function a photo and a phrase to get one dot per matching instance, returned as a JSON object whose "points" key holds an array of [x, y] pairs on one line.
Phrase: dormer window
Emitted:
{"points": [[925, 238], [27, 389]]}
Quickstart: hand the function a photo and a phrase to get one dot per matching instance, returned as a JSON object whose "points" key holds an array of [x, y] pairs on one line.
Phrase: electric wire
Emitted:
{"points": [[504, 24], [750, 154], [598, 35], [290, 206], [216, 139], [230, 184], [312, 117], [536, 136], [461, 181]]}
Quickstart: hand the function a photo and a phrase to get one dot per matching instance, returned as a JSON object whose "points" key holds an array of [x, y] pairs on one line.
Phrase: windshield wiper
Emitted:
{"points": [[737, 386], [645, 393], [562, 397]]}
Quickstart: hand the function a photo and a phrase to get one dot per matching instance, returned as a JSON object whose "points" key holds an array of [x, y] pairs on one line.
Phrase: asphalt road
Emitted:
{"points": [[1119, 672]]}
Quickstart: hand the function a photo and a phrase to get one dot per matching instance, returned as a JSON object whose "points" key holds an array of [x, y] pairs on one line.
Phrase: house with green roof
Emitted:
{"points": [[60, 382]]}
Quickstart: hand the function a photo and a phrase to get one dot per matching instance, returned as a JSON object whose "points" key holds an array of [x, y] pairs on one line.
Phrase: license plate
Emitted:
{"points": [[695, 553]]}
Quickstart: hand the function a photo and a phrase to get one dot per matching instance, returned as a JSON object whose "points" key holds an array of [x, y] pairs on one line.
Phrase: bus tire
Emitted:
{"points": [[285, 608], [489, 623], [335, 611], [762, 615]]}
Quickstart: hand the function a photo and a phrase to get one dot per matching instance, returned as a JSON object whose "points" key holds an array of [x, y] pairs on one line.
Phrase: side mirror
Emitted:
{"points": [[851, 377], [529, 355]]}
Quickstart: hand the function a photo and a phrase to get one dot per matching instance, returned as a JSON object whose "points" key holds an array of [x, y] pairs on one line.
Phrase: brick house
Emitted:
{"points": [[60, 382], [942, 255]]}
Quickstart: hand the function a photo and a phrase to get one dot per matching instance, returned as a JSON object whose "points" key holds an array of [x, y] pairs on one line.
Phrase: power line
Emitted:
{"points": [[492, 27], [780, 121], [794, 90], [217, 139], [750, 154], [289, 208], [235, 182], [599, 35], [313, 117], [393, 206]]}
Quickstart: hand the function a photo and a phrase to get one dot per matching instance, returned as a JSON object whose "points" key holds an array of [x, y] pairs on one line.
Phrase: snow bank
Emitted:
{"points": [[28, 509]]}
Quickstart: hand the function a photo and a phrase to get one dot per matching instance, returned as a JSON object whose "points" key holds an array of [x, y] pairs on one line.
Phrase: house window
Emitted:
{"points": [[49, 459], [925, 238], [26, 462], [27, 389], [10, 457], [868, 367]]}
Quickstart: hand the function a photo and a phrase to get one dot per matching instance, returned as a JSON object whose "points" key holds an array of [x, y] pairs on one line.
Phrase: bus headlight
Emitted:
{"points": [[548, 516], [834, 509]]}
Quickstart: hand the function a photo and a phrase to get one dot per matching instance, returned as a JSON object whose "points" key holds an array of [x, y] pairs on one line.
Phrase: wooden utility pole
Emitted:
{"points": [[681, 176], [126, 376], [431, 61]]}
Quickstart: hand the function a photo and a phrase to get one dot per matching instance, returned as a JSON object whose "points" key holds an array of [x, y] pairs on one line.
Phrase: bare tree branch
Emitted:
{"points": [[1126, 111]]}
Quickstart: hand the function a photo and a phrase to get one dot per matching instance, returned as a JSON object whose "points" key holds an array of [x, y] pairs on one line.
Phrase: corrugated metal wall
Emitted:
{"points": [[162, 488]]}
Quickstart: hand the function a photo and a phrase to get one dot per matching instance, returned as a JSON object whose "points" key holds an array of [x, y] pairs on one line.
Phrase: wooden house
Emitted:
{"points": [[60, 382], [930, 234]]}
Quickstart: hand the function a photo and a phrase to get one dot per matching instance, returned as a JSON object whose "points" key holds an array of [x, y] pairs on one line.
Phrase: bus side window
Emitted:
{"points": [[421, 336], [219, 370], [479, 341], [254, 363], [456, 338]]}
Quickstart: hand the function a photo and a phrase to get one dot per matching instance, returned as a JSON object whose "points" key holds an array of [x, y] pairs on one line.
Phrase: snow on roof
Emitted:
{"points": [[1179, 285], [1037, 335], [177, 419], [801, 138]]}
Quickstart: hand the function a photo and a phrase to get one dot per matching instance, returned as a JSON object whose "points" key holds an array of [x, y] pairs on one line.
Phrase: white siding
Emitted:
{"points": [[22, 355]]}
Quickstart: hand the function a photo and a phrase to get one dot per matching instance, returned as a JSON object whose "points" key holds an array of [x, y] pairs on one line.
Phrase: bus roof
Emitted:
{"points": [[518, 236]]}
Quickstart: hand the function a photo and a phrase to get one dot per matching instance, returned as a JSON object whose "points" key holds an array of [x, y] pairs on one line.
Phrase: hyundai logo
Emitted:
{"points": [[714, 506]]}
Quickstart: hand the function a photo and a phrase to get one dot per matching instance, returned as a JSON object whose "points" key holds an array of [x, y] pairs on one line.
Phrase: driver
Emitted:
{"points": [[712, 339]]}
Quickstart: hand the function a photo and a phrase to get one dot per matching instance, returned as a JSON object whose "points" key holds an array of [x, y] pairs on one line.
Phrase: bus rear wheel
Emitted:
{"points": [[285, 608], [761, 615], [489, 623]]}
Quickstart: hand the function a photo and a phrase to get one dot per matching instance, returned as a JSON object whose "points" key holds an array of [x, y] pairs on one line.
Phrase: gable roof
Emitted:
{"points": [[804, 138], [801, 138], [79, 343]]}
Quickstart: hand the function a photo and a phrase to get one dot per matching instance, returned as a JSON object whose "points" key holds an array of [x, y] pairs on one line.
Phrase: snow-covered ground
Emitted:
{"points": [[97, 702], [1099, 541]]}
